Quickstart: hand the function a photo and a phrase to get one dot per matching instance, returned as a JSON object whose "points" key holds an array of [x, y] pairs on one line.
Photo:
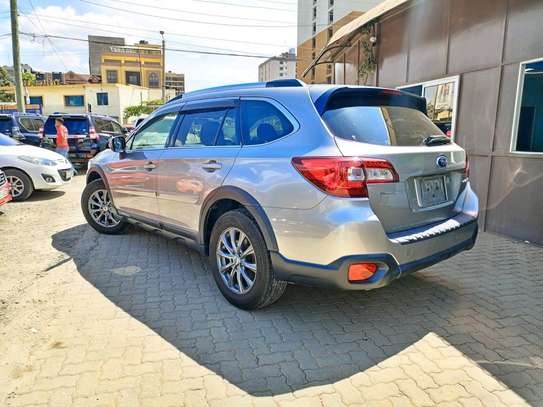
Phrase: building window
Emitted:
{"points": [[314, 28], [314, 13], [112, 76], [330, 3], [330, 32], [36, 100], [154, 81], [330, 16], [133, 78], [441, 101], [74, 100], [102, 99], [313, 43], [527, 134]]}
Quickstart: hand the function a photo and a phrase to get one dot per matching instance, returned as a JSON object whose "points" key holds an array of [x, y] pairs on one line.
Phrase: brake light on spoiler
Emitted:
{"points": [[346, 177]]}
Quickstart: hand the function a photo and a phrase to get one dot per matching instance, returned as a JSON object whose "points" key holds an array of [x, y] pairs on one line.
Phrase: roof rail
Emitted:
{"points": [[285, 83], [279, 83]]}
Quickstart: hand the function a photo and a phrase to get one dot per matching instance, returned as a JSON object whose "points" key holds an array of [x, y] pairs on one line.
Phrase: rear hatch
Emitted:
{"points": [[78, 131], [393, 126]]}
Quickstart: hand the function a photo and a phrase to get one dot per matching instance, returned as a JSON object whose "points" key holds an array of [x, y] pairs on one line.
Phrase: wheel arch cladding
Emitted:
{"points": [[227, 198]]}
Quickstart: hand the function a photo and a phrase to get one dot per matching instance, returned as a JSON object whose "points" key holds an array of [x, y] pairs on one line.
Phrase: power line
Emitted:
{"points": [[232, 54], [198, 13], [175, 34], [149, 38], [242, 5], [185, 20], [48, 39]]}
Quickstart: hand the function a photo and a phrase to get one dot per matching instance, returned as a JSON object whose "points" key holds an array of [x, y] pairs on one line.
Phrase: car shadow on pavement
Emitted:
{"points": [[310, 336], [45, 195]]}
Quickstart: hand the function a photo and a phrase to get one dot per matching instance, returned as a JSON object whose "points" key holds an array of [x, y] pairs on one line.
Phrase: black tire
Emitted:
{"points": [[266, 288], [89, 190], [28, 187]]}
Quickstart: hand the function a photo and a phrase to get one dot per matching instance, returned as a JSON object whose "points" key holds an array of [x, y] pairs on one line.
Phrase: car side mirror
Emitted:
{"points": [[126, 130], [118, 144]]}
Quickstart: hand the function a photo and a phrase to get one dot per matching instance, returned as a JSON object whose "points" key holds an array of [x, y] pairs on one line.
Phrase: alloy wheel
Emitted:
{"points": [[17, 186], [236, 260], [101, 209]]}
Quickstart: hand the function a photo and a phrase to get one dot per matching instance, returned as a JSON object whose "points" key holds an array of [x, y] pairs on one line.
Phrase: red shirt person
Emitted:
{"points": [[62, 137]]}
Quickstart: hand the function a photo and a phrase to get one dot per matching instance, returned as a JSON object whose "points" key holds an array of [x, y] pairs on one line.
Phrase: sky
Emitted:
{"points": [[255, 27]]}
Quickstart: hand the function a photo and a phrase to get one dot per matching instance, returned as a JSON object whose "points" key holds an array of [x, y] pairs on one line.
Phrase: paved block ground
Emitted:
{"points": [[136, 320]]}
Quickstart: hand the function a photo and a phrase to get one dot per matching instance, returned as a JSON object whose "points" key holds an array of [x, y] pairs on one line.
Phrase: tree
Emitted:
{"points": [[146, 107], [28, 78], [4, 81], [4, 77]]}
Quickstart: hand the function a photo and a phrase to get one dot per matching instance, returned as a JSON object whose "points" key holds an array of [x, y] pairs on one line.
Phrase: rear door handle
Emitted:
{"points": [[211, 166], [150, 166]]}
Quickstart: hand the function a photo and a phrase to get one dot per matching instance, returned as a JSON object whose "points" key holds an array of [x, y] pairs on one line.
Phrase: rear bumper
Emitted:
{"points": [[335, 274]]}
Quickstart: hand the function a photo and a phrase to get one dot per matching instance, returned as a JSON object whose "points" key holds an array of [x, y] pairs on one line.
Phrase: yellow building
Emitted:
{"points": [[139, 64]]}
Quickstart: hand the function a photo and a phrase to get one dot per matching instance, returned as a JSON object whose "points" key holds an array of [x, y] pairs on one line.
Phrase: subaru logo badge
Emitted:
{"points": [[442, 161]]}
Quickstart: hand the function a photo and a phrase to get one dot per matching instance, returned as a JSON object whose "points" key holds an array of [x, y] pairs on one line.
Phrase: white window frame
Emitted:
{"points": [[456, 80], [518, 104]]}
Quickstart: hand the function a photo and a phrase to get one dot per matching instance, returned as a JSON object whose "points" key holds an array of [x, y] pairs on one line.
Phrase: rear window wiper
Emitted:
{"points": [[436, 140]]}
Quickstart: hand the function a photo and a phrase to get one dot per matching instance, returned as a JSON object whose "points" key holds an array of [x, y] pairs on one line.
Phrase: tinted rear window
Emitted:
{"points": [[5, 125], [74, 126], [382, 125]]}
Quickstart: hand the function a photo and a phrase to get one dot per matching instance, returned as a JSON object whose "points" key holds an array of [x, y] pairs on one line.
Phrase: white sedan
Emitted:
{"points": [[29, 168]]}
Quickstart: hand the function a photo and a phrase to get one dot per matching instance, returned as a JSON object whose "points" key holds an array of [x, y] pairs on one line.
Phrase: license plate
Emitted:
{"points": [[432, 191]]}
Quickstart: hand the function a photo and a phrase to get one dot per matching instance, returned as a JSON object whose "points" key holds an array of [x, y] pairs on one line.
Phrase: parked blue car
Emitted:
{"points": [[23, 127]]}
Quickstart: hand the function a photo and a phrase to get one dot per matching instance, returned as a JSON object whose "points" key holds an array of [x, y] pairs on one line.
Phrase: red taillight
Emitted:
{"points": [[40, 132], [345, 176], [466, 168], [361, 271], [92, 134]]}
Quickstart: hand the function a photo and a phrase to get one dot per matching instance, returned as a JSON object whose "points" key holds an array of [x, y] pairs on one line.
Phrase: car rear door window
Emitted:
{"points": [[29, 124], [102, 125], [155, 133], [200, 128], [262, 122]]}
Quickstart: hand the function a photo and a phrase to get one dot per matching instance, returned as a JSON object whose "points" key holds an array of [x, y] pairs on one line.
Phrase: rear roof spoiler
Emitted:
{"points": [[352, 96]]}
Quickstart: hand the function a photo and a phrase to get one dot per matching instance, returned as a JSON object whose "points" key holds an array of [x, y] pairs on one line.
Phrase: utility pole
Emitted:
{"points": [[163, 67], [16, 57]]}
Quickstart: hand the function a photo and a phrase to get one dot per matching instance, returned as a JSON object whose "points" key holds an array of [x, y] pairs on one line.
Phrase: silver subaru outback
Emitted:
{"points": [[342, 186]]}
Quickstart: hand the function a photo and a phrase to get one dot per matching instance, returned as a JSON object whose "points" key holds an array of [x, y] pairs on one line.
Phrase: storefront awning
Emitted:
{"points": [[341, 38]]}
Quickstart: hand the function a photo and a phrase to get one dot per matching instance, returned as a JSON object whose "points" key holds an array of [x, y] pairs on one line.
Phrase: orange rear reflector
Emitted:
{"points": [[361, 271]]}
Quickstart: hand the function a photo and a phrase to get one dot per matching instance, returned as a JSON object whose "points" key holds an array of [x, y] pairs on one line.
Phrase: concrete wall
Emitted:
{"points": [[483, 42]]}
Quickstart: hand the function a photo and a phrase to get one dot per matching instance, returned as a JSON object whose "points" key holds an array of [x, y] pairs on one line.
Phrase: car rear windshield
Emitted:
{"points": [[5, 125], [75, 125], [385, 118]]}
